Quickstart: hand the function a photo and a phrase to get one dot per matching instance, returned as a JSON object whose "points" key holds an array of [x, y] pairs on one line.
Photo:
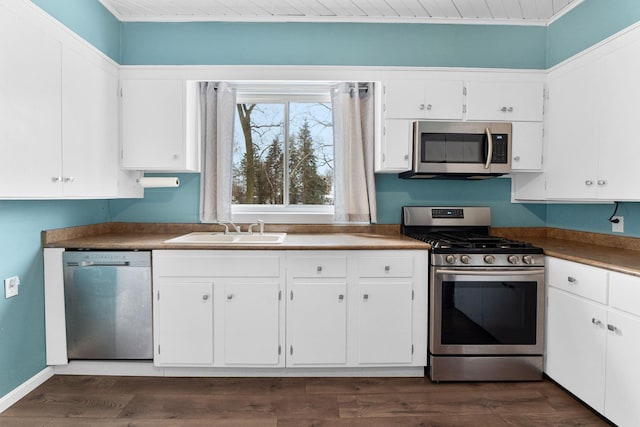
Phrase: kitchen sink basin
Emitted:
{"points": [[206, 238]]}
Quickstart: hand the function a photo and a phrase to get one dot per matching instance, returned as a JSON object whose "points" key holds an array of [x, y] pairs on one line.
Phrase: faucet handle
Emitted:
{"points": [[258, 223]]}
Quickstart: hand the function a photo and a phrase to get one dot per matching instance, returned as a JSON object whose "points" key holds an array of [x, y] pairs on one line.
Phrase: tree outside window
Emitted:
{"points": [[268, 171]]}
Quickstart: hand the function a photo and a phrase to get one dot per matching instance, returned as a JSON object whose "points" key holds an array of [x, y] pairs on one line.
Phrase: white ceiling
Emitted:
{"points": [[525, 12]]}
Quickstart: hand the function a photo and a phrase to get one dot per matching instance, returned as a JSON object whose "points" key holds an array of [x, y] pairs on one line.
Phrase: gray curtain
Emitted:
{"points": [[217, 106], [353, 124]]}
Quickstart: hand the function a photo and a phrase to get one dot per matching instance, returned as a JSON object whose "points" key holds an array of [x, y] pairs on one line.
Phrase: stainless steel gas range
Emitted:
{"points": [[486, 297]]}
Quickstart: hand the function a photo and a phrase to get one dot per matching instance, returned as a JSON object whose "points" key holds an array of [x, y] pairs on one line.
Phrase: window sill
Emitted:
{"points": [[282, 217]]}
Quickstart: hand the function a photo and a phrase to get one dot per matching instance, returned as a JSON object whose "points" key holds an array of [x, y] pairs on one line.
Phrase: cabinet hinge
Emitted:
{"points": [[158, 295], [121, 153], [464, 108], [411, 348], [279, 298], [464, 90], [291, 295], [413, 295], [291, 350], [120, 92], [279, 349], [158, 348]]}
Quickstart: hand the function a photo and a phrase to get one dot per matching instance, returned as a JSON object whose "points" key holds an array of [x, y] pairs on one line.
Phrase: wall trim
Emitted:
{"points": [[25, 388]]}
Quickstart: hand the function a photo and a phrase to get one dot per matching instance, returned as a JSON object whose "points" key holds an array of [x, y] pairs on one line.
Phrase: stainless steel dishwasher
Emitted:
{"points": [[107, 299]]}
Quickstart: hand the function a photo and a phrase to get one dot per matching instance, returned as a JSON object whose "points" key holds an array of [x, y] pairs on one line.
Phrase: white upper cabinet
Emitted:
{"points": [[30, 98], [510, 102], [155, 132], [395, 153], [89, 126], [527, 146], [59, 103], [424, 99]]}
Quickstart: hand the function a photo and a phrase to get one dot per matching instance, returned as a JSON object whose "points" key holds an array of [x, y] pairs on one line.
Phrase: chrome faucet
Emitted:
{"points": [[260, 223], [226, 225]]}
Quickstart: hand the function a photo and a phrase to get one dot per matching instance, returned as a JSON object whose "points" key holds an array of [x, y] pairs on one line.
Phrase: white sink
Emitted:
{"points": [[206, 238]]}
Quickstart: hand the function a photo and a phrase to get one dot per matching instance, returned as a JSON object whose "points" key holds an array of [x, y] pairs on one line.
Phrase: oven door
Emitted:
{"points": [[486, 311]]}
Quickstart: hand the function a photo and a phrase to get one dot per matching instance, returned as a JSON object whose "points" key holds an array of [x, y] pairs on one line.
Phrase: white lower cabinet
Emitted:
{"points": [[251, 325], [593, 337], [184, 339], [317, 324], [294, 309]]}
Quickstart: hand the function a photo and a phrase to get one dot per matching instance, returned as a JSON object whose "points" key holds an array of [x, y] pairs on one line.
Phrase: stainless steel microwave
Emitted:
{"points": [[467, 150]]}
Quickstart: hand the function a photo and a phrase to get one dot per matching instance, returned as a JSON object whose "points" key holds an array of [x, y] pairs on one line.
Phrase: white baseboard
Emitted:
{"points": [[147, 369], [25, 388]]}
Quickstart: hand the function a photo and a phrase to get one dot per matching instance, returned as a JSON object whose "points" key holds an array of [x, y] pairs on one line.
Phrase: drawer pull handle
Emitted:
{"points": [[596, 321], [387, 268], [612, 328], [571, 280]]}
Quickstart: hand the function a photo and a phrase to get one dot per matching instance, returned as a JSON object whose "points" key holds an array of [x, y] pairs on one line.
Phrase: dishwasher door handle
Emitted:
{"points": [[101, 264]]}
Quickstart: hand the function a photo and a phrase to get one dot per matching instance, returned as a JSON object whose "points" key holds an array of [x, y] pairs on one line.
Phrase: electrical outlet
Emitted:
{"points": [[618, 227], [11, 286]]}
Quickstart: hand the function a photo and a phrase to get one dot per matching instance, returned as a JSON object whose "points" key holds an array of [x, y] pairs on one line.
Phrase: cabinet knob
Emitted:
{"points": [[319, 269], [516, 159], [406, 157], [229, 297], [510, 109], [387, 268], [68, 179], [601, 182], [596, 321], [421, 106], [341, 297], [176, 156], [612, 328], [205, 297], [429, 107], [507, 109], [365, 297], [571, 280], [56, 179], [588, 182]]}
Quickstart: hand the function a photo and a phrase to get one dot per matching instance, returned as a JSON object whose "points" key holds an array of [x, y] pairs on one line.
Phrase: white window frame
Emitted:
{"points": [[282, 92]]}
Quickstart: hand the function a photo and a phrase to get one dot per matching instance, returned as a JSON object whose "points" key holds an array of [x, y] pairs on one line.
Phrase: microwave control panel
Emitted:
{"points": [[499, 149]]}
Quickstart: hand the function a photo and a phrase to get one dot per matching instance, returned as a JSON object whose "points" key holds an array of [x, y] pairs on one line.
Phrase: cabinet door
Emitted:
{"points": [[505, 101], [428, 99], [395, 153], [576, 343], [385, 322], [153, 125], [183, 317], [619, 151], [572, 129], [251, 323], [317, 323], [30, 97], [527, 146], [623, 372], [89, 126]]}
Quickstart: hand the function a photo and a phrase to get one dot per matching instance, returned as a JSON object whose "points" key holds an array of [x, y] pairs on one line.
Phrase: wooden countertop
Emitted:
{"points": [[148, 237], [611, 252]]}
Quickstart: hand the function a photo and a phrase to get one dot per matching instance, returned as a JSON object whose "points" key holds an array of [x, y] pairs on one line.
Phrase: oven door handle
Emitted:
{"points": [[474, 272]]}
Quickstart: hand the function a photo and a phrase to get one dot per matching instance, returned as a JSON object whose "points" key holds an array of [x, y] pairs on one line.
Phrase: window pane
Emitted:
{"points": [[310, 154], [259, 165], [258, 154]]}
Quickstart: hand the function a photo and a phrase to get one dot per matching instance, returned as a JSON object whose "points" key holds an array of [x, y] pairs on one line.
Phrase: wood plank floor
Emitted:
{"points": [[72, 401]]}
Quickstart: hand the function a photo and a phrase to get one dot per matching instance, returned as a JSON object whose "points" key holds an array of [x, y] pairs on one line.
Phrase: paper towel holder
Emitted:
{"points": [[158, 181]]}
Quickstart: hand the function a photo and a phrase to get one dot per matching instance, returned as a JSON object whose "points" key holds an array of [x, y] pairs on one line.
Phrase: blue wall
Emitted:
{"points": [[22, 352]]}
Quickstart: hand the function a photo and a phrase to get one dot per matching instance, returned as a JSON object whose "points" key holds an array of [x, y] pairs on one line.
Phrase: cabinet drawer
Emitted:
{"points": [[318, 266], [214, 264], [579, 279], [373, 266], [624, 292]]}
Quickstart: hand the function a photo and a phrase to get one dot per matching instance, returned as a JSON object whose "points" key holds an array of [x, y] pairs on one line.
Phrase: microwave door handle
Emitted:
{"points": [[490, 150]]}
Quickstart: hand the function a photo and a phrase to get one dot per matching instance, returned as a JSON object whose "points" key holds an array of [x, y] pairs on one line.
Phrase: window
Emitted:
{"points": [[283, 153]]}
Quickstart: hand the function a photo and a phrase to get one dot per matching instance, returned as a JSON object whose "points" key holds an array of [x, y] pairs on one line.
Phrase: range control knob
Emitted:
{"points": [[513, 259], [489, 259], [528, 259], [465, 259], [451, 259]]}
